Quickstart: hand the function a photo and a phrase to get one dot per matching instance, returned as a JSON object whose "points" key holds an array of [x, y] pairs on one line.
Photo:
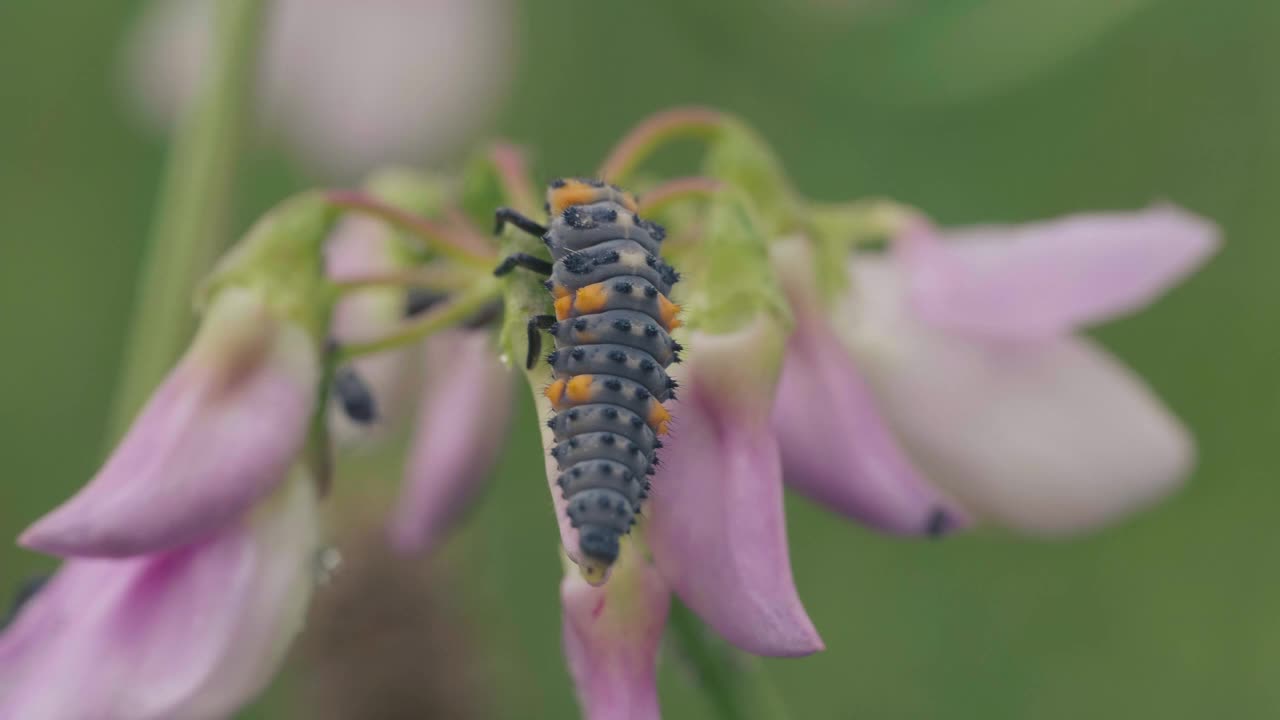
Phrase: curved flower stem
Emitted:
{"points": [[457, 242], [654, 132], [513, 171], [456, 311], [660, 197], [737, 686], [189, 227], [434, 278]]}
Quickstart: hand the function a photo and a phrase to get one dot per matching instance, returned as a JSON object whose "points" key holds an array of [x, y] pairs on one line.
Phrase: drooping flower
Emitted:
{"points": [[462, 423], [835, 447], [611, 637], [348, 86], [191, 632], [219, 434], [717, 527], [966, 341], [363, 247]]}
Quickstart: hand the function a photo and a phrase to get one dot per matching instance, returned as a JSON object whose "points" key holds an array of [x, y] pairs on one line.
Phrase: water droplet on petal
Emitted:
{"points": [[328, 560]]}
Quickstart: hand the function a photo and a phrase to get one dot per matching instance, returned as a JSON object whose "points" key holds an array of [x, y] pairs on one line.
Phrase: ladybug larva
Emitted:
{"points": [[612, 327]]}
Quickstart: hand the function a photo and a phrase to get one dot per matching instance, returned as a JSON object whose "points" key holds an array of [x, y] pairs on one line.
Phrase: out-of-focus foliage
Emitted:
{"points": [[974, 110]]}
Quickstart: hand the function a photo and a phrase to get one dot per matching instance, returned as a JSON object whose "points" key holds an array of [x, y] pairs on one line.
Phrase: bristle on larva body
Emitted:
{"points": [[613, 345]]}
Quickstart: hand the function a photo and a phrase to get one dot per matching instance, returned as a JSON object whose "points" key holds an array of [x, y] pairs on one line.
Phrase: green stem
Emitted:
{"points": [[466, 306], [189, 228], [736, 684], [444, 279], [456, 241]]}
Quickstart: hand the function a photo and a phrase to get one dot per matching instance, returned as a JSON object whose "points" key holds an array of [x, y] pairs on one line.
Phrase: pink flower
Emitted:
{"points": [[462, 424], [191, 632], [611, 638], [717, 528], [363, 247], [348, 86], [835, 447], [965, 340], [219, 434]]}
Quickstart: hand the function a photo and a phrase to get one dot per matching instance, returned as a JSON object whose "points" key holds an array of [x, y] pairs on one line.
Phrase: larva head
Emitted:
{"points": [[567, 192]]}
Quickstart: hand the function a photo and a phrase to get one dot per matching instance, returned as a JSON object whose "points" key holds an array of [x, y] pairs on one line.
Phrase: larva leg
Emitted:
{"points": [[524, 260], [536, 325], [502, 216]]}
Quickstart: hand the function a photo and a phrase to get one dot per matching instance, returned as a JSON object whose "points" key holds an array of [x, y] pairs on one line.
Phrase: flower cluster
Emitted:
{"points": [[919, 381]]}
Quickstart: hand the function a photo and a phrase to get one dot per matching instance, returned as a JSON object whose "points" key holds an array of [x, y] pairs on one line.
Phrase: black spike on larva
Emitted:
{"points": [[548, 285], [676, 346], [605, 444], [672, 383], [658, 445]]}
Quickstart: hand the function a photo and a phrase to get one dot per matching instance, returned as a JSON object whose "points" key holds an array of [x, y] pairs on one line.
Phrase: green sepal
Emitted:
{"points": [[740, 157], [728, 280], [481, 192], [282, 257]]}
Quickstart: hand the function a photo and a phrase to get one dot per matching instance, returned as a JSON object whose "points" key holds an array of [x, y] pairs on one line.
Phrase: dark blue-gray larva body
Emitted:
{"points": [[611, 329]]}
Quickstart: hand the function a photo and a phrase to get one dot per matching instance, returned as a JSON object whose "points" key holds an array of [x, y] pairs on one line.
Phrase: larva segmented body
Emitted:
{"points": [[613, 320]]}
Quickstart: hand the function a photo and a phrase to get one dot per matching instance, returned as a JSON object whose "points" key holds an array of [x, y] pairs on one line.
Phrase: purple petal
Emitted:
{"points": [[361, 247], [1047, 437], [1048, 278], [191, 633], [611, 638], [462, 424], [218, 434], [717, 529], [836, 448]]}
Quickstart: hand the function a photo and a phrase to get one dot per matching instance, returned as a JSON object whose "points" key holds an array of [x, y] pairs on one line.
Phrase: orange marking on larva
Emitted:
{"points": [[558, 291], [572, 193], [579, 389], [591, 299], [555, 393], [658, 417], [563, 306], [667, 311]]}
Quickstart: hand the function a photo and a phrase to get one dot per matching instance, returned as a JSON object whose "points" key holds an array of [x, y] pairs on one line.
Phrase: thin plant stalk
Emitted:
{"points": [[189, 228]]}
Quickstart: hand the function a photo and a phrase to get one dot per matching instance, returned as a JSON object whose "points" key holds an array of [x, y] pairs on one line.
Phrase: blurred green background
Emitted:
{"points": [[975, 110]]}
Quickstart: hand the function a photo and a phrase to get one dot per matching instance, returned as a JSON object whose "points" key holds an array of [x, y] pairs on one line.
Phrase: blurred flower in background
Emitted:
{"points": [[345, 86], [967, 340]]}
